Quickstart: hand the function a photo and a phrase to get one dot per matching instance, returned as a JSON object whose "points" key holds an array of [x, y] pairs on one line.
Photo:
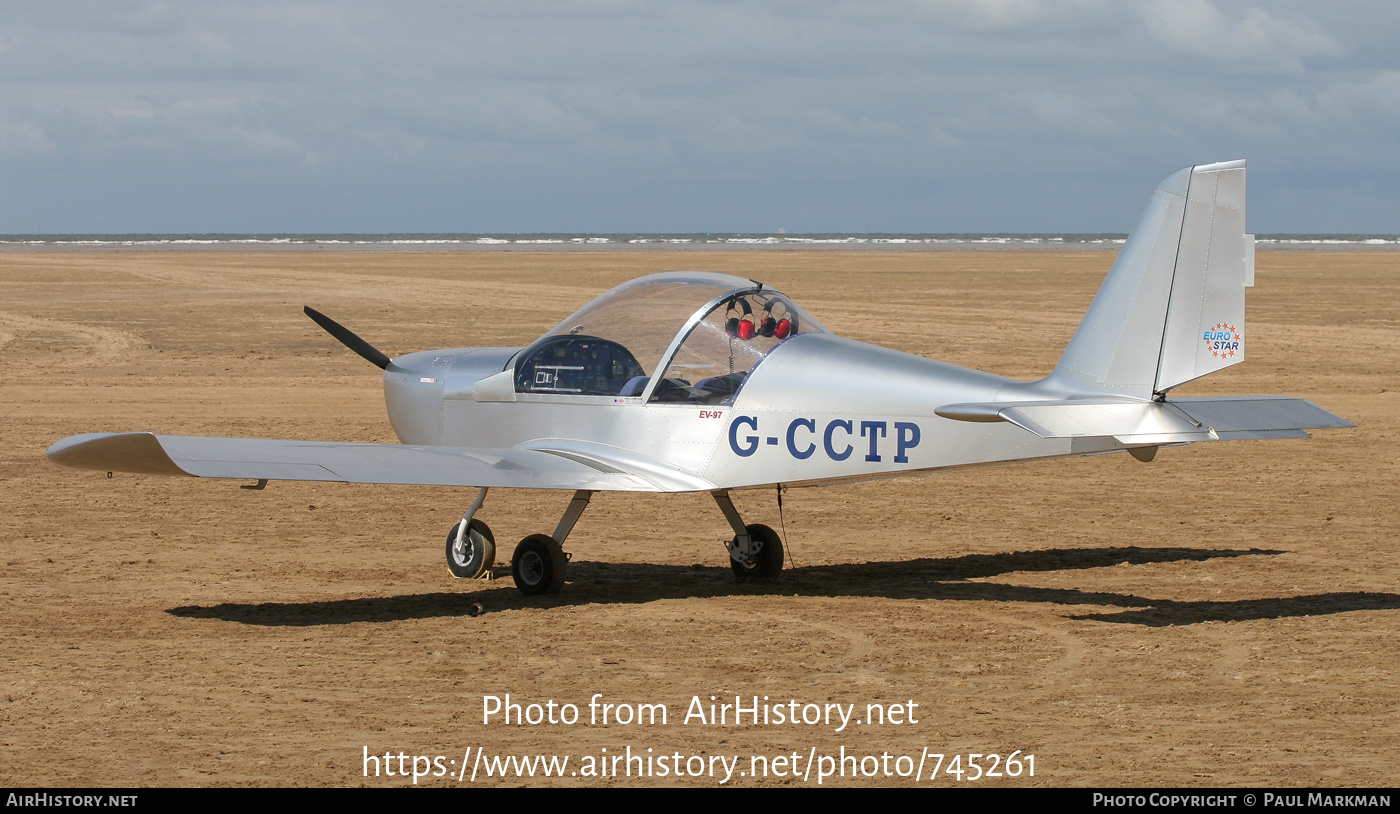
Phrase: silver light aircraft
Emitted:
{"points": [[687, 382]]}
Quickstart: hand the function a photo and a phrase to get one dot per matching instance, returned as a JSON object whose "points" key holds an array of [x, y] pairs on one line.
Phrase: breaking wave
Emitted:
{"points": [[552, 241]]}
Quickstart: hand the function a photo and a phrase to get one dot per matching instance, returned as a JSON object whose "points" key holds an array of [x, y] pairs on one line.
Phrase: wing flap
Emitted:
{"points": [[210, 457]]}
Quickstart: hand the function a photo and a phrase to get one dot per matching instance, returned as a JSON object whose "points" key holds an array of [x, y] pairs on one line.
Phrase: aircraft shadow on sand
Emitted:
{"points": [[927, 579]]}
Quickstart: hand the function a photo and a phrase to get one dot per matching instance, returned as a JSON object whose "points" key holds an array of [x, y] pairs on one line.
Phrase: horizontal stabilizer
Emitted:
{"points": [[258, 458], [1156, 422], [1241, 417]]}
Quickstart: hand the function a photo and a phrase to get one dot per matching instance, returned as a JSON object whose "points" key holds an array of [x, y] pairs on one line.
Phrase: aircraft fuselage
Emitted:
{"points": [[819, 407]]}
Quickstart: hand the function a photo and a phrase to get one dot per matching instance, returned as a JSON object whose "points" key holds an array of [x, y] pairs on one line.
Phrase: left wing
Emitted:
{"points": [[541, 467]]}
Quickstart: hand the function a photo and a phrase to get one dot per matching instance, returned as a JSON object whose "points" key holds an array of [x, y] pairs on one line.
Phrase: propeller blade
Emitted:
{"points": [[348, 338]]}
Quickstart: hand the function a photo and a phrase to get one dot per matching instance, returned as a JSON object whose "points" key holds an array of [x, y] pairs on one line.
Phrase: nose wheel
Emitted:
{"points": [[471, 554], [471, 550]]}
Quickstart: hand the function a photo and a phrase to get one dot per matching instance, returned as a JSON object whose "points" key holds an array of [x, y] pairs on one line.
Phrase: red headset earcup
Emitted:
{"points": [[782, 329]]}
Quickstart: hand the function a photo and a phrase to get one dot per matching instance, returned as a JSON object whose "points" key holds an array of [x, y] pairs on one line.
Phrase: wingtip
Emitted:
{"points": [[136, 452]]}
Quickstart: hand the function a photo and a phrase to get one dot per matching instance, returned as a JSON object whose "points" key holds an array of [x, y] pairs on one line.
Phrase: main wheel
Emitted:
{"points": [[767, 560], [476, 553], [538, 565]]}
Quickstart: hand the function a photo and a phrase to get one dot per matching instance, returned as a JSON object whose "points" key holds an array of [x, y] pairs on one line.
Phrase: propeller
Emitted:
{"points": [[348, 338]]}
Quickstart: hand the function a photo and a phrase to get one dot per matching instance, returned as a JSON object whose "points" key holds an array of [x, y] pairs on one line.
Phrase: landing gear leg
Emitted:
{"points": [[471, 548], [756, 552], [539, 562]]}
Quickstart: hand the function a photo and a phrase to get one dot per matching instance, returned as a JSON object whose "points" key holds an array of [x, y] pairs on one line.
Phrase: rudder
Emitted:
{"points": [[1215, 263]]}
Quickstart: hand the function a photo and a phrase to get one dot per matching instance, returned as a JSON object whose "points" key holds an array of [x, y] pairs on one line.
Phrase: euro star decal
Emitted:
{"points": [[1223, 341]]}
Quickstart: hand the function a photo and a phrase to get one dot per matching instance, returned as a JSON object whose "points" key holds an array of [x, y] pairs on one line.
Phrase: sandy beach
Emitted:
{"points": [[1222, 616]]}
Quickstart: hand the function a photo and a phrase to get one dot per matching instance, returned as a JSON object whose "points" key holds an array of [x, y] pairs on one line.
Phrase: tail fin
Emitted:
{"points": [[1172, 307]]}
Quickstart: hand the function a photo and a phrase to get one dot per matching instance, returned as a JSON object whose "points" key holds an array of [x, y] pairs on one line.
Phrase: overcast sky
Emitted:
{"points": [[615, 115]]}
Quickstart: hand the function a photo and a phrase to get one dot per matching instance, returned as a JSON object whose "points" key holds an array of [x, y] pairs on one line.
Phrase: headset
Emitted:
{"points": [[741, 323], [741, 327], [782, 327]]}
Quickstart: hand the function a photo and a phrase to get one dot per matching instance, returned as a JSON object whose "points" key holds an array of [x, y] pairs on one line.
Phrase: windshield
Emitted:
{"points": [[709, 330]]}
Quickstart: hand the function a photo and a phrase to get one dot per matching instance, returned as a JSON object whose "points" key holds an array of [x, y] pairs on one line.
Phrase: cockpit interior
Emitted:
{"points": [[677, 338]]}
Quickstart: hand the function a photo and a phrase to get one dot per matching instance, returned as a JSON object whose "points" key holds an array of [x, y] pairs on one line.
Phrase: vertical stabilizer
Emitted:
{"points": [[1172, 307]]}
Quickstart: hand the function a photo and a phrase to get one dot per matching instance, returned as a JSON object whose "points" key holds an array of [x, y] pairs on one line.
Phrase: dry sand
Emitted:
{"points": [[1222, 616]]}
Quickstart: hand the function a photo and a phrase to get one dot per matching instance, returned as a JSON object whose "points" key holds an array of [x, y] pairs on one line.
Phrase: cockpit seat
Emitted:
{"points": [[671, 390], [717, 389], [635, 386]]}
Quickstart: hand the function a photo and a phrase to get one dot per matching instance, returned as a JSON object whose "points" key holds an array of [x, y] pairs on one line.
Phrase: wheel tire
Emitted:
{"points": [[768, 561], [478, 552], [538, 565]]}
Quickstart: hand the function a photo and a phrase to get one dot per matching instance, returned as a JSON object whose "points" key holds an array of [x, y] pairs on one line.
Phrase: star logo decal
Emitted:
{"points": [[1224, 340]]}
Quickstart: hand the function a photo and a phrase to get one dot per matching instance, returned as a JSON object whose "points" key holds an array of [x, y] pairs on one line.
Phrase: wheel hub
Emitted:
{"points": [[532, 568]]}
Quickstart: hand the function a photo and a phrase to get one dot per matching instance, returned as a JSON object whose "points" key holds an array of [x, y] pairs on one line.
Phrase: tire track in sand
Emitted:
{"points": [[96, 346], [1066, 669], [861, 645]]}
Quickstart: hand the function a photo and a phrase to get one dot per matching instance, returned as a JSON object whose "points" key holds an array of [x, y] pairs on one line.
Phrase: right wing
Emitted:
{"points": [[256, 458]]}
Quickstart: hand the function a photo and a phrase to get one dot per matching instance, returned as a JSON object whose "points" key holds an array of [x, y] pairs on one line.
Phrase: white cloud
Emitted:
{"points": [[1254, 39], [22, 138], [738, 103]]}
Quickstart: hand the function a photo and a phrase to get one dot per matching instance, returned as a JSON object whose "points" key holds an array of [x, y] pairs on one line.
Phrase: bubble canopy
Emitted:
{"points": [[675, 337]]}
